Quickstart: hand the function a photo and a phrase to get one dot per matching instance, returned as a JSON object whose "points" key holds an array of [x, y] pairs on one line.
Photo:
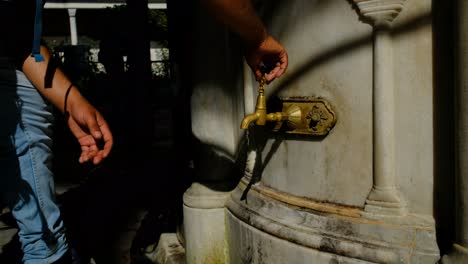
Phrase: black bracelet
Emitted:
{"points": [[65, 112]]}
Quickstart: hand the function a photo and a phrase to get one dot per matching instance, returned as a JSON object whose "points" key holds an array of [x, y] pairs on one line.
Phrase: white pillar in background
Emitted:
{"points": [[73, 30]]}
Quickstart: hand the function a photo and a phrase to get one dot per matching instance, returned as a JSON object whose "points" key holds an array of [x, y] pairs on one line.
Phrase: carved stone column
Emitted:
{"points": [[384, 197]]}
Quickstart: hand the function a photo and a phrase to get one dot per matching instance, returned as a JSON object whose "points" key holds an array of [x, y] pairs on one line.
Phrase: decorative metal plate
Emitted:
{"points": [[307, 116]]}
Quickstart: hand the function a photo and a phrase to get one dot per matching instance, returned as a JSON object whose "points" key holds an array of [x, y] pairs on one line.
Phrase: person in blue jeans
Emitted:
{"points": [[29, 87], [25, 155]]}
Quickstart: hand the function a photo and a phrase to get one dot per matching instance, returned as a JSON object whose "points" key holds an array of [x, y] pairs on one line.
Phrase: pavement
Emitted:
{"points": [[136, 236], [112, 215]]}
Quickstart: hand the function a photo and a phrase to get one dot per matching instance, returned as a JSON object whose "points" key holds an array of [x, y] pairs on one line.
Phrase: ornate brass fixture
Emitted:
{"points": [[260, 115], [300, 115], [307, 115]]}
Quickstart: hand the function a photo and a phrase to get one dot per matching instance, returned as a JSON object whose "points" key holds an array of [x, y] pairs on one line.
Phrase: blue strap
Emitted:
{"points": [[36, 50]]}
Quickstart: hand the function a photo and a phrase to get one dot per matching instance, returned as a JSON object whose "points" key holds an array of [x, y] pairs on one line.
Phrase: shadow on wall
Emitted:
{"points": [[444, 122], [443, 106], [99, 211], [444, 174]]}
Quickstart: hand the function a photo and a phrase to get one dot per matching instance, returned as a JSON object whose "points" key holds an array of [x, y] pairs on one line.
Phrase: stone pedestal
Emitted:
{"points": [[204, 225]]}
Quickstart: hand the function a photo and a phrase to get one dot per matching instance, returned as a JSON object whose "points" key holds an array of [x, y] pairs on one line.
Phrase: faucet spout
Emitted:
{"points": [[249, 119], [260, 114]]}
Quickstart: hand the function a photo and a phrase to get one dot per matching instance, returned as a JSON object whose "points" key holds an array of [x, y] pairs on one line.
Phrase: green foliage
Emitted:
{"points": [[158, 19]]}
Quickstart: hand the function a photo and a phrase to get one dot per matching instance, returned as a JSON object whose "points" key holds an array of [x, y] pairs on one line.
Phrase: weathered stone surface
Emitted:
{"points": [[332, 55], [252, 246], [408, 239], [336, 65], [204, 228]]}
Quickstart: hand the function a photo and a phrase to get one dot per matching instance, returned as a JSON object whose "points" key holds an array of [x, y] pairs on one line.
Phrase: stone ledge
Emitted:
{"points": [[406, 239], [205, 196]]}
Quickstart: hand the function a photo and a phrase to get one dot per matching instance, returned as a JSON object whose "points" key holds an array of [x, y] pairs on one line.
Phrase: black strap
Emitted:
{"points": [[65, 111]]}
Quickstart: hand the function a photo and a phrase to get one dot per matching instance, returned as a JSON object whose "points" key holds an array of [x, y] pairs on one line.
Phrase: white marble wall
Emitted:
{"points": [[412, 39], [332, 55]]}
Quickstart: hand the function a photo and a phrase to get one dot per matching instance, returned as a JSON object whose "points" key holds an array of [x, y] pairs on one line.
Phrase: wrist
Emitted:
{"points": [[66, 103], [257, 39], [72, 99]]}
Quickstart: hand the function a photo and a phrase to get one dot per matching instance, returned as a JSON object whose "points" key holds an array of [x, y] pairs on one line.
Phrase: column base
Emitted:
{"points": [[204, 224], [385, 202], [458, 255]]}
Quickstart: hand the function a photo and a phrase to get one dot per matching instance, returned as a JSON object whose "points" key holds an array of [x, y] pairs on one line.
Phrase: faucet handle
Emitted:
{"points": [[262, 85]]}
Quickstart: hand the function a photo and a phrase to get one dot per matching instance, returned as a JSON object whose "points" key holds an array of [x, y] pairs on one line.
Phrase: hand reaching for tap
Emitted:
{"points": [[270, 54], [261, 48]]}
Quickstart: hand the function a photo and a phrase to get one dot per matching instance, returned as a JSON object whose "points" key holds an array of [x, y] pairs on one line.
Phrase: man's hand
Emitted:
{"points": [[91, 130], [271, 54], [240, 17], [85, 122]]}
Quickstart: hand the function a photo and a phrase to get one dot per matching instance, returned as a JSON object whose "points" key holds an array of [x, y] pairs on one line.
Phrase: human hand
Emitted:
{"points": [[269, 53], [91, 131]]}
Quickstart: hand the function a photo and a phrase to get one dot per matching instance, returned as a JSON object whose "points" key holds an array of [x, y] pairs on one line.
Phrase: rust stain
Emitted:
{"points": [[349, 213], [214, 255], [306, 203]]}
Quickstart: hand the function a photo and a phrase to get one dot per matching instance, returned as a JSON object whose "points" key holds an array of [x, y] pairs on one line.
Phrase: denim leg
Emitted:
{"points": [[30, 192]]}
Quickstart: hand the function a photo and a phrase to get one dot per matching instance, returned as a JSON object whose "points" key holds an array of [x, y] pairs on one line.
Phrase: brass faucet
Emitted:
{"points": [[260, 116]]}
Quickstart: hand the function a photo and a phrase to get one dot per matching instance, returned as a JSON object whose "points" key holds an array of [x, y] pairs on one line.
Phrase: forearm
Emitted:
{"points": [[57, 88], [240, 17]]}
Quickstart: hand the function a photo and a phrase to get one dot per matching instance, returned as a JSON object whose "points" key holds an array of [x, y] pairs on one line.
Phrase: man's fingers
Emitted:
{"points": [[93, 151], [272, 74], [258, 74], [84, 154], [89, 149], [106, 136], [90, 129], [87, 141], [280, 71], [283, 64], [107, 148], [98, 158], [93, 126]]}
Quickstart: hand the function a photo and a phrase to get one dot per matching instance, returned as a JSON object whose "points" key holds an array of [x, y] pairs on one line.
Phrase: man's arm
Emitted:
{"points": [[85, 122], [261, 48]]}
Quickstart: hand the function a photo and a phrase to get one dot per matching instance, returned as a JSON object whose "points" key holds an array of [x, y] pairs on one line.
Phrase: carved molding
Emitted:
{"points": [[380, 12], [332, 228]]}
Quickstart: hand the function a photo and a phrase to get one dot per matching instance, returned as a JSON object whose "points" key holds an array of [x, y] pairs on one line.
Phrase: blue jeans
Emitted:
{"points": [[26, 179]]}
